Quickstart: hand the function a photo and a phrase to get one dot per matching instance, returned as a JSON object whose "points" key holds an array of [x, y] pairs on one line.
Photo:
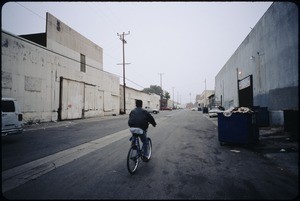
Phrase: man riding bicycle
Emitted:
{"points": [[140, 118]]}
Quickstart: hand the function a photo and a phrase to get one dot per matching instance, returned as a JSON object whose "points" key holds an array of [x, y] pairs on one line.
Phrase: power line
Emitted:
{"points": [[110, 24], [52, 23], [44, 19], [30, 11]]}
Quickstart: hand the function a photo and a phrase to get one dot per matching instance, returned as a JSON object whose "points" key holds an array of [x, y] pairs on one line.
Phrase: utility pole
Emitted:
{"points": [[173, 99], [161, 95], [177, 97], [205, 93], [124, 84], [237, 80]]}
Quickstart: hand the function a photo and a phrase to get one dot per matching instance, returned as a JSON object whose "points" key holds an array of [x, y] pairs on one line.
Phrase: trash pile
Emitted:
{"points": [[243, 110]]}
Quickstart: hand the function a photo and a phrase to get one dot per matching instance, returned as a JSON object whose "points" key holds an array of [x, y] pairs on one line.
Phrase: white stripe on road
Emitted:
{"points": [[14, 177]]}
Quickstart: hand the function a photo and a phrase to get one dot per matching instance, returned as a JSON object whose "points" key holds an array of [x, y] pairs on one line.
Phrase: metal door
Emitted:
{"points": [[72, 99]]}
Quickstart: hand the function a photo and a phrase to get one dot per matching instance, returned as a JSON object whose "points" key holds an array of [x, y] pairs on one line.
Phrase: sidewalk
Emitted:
{"points": [[278, 146], [66, 123]]}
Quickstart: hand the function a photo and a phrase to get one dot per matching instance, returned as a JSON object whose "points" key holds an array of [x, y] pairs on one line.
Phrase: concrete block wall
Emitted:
{"points": [[270, 54]]}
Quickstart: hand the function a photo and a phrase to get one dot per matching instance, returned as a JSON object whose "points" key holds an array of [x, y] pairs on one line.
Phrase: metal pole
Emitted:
{"points": [[237, 80], [173, 99], [124, 84], [161, 95], [205, 93]]}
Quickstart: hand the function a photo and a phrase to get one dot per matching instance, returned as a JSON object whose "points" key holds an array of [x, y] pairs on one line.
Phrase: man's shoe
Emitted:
{"points": [[145, 158]]}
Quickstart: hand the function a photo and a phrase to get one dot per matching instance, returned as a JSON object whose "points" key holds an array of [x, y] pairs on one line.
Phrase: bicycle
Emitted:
{"points": [[135, 156]]}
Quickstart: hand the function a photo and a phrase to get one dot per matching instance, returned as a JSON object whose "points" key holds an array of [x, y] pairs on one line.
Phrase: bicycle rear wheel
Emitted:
{"points": [[149, 151], [132, 160]]}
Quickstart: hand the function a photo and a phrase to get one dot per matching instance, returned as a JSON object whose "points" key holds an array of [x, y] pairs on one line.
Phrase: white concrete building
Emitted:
{"points": [[202, 99], [57, 75]]}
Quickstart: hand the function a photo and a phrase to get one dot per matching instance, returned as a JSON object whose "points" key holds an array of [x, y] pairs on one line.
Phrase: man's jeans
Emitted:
{"points": [[144, 139]]}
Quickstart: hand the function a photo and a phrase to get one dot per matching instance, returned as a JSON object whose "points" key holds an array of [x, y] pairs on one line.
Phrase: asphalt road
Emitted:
{"points": [[87, 160]]}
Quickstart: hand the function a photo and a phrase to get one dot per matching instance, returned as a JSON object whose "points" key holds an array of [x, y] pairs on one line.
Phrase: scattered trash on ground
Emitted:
{"points": [[235, 151], [282, 150]]}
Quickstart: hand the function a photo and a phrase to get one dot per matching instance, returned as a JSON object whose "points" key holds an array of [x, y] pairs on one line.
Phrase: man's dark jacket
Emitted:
{"points": [[139, 118]]}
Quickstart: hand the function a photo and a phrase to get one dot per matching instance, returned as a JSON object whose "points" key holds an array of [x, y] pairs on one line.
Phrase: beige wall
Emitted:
{"points": [[67, 39], [150, 100], [203, 100]]}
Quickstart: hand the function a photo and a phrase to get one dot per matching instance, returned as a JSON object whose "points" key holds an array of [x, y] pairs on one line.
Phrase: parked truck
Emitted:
{"points": [[12, 118]]}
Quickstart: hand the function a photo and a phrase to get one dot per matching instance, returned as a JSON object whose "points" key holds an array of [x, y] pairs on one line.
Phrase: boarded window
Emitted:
{"points": [[58, 25], [82, 63], [33, 84], [6, 80]]}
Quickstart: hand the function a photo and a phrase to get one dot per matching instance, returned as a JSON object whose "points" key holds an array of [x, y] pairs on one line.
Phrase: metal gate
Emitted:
{"points": [[71, 103]]}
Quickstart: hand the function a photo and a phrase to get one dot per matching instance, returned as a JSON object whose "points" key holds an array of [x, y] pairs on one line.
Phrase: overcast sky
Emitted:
{"points": [[185, 42]]}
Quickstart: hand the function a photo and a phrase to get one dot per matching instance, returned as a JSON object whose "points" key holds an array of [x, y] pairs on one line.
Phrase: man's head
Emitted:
{"points": [[138, 103]]}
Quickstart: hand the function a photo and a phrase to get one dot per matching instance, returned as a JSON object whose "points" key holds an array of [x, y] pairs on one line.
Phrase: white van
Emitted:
{"points": [[12, 118]]}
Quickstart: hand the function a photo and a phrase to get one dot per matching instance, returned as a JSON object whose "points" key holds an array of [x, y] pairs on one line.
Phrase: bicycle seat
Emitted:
{"points": [[134, 130]]}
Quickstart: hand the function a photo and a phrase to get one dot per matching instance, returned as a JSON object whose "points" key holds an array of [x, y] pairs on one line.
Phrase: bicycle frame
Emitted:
{"points": [[135, 156], [136, 142]]}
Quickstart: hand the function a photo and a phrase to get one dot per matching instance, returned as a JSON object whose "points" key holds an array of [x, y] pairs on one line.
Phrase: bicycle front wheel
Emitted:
{"points": [[132, 160]]}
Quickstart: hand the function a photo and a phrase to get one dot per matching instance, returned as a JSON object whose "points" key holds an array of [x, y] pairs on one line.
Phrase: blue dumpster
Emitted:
{"points": [[238, 128], [205, 110], [291, 122], [262, 116]]}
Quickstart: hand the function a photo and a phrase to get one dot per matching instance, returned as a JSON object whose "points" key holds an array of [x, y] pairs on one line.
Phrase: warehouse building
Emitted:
{"points": [[57, 75], [263, 71]]}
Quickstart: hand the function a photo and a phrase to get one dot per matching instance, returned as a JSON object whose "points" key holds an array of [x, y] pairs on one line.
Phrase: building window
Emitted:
{"points": [[82, 63], [58, 25]]}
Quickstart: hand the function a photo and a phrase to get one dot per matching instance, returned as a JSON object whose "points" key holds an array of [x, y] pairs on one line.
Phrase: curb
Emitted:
{"points": [[67, 123]]}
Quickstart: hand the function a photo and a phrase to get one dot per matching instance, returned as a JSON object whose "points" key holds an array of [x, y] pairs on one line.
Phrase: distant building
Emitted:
{"points": [[213, 102], [203, 100], [57, 75], [264, 70], [149, 100]]}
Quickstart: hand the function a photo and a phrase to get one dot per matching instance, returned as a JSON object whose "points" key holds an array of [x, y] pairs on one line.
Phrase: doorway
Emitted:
{"points": [[246, 92]]}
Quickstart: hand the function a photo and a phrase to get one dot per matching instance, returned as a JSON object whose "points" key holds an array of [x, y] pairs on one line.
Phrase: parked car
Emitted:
{"points": [[150, 110], [214, 111], [12, 118]]}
